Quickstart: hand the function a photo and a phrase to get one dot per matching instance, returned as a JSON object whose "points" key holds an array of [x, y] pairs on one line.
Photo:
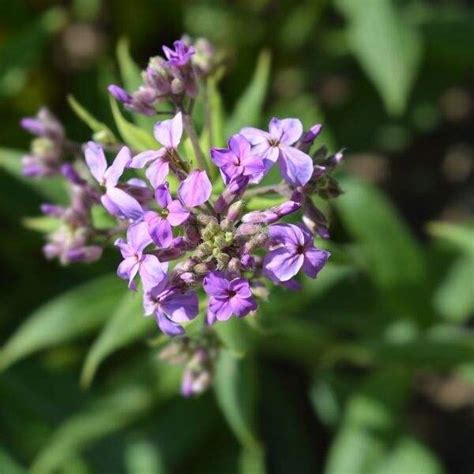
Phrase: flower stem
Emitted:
{"points": [[191, 132]]}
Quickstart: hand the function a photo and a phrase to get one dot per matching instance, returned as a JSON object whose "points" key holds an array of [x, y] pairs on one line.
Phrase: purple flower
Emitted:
{"points": [[180, 55], [292, 249], [308, 137], [140, 101], [115, 200], [232, 191], [135, 261], [171, 307], [227, 297], [296, 167], [238, 160], [168, 133], [45, 124], [172, 213], [195, 189]]}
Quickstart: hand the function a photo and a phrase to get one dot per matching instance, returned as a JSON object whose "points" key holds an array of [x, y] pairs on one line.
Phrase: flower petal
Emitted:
{"points": [[138, 236], [242, 306], [122, 205], [95, 159], [152, 272], [287, 131], [167, 326], [296, 167], [195, 189], [219, 309], [215, 284], [254, 136], [162, 195], [287, 234], [241, 287], [282, 264], [143, 158], [122, 160], [169, 132], [157, 172], [159, 229], [127, 270], [177, 213], [314, 261], [181, 307]]}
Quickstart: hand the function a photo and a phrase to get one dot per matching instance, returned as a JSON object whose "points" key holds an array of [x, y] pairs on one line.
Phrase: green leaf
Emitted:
{"points": [[369, 421], [252, 461], [50, 188], [236, 336], [43, 224], [133, 136], [70, 315], [454, 299], [143, 456], [409, 455], [101, 219], [94, 124], [235, 388], [248, 108], [109, 414], [132, 79], [126, 325], [8, 465], [459, 235], [387, 47], [391, 256]]}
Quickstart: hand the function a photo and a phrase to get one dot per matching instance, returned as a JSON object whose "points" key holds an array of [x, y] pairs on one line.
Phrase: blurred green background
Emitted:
{"points": [[371, 368]]}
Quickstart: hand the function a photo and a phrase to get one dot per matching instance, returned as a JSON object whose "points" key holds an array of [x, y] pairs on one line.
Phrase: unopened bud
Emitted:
{"points": [[210, 230], [105, 137], [43, 147], [204, 250], [220, 242], [235, 211], [201, 268]]}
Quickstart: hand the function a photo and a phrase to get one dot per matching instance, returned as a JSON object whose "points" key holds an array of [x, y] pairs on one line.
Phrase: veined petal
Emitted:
{"points": [[287, 131], [159, 229], [152, 272], [177, 213], [241, 287], [254, 135], [122, 160], [138, 236], [222, 156], [219, 309], [215, 284], [242, 306], [283, 264], [128, 269], [143, 158], [167, 326], [169, 132], [296, 167], [195, 189], [157, 172], [287, 234], [314, 261], [181, 307], [162, 195], [95, 159], [123, 205]]}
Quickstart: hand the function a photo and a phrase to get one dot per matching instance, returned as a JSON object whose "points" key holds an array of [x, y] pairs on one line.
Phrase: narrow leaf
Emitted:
{"points": [[94, 124], [126, 325], [133, 136], [249, 106], [70, 315], [235, 388], [387, 47]]}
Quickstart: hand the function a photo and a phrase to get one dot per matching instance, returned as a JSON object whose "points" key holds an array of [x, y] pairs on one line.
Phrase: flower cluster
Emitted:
{"points": [[170, 78], [188, 230]]}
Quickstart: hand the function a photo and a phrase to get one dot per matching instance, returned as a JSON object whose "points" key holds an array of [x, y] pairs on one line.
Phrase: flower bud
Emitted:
{"points": [[235, 211]]}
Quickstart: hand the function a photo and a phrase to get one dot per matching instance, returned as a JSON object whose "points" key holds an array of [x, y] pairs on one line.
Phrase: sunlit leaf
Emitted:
{"points": [[133, 136], [142, 455], [387, 47], [70, 315], [459, 235], [248, 108], [94, 124], [43, 224], [132, 79], [235, 388]]}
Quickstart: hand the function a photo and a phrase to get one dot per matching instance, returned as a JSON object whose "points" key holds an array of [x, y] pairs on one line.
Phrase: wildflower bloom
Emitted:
{"points": [[238, 160], [180, 55], [135, 261], [227, 297], [196, 189], [275, 145], [168, 133], [115, 200], [292, 250], [170, 306], [172, 213]]}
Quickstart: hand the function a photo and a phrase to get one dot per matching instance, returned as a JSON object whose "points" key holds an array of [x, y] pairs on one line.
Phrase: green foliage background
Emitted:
{"points": [[371, 368]]}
